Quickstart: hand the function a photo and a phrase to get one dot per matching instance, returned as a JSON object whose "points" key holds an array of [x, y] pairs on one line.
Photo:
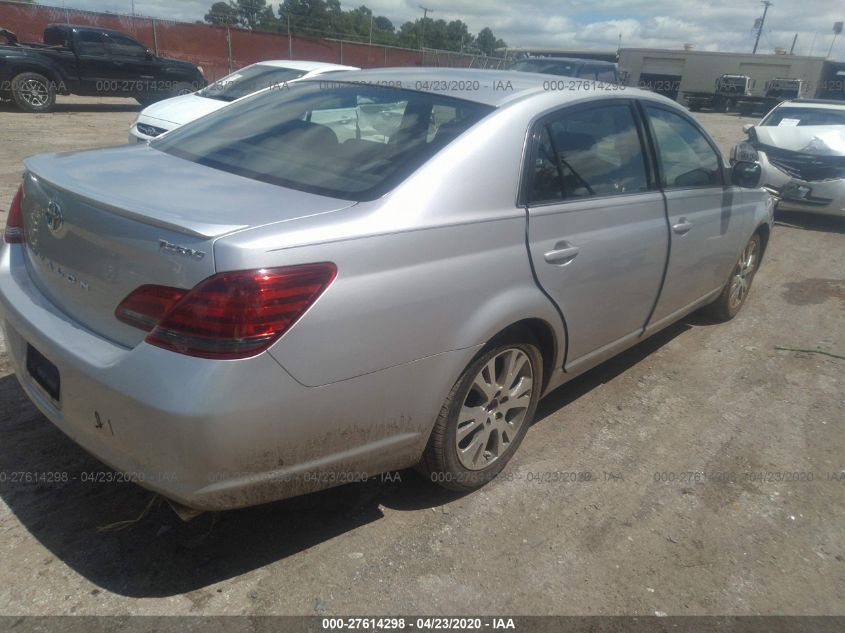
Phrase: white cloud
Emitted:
{"points": [[719, 25]]}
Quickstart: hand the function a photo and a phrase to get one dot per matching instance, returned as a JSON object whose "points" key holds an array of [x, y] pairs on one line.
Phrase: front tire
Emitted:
{"points": [[738, 285], [485, 416], [33, 92]]}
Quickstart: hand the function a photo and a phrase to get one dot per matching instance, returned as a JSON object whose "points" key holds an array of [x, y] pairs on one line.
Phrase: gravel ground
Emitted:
{"points": [[697, 397]]}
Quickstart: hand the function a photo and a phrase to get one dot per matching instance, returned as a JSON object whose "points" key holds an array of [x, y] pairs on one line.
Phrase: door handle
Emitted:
{"points": [[682, 227], [562, 254]]}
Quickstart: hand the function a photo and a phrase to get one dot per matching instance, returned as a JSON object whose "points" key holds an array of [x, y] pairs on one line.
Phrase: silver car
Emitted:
{"points": [[252, 307]]}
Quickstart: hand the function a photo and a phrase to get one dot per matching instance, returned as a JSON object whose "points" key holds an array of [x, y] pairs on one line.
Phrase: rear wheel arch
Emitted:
{"points": [[540, 331], [40, 69]]}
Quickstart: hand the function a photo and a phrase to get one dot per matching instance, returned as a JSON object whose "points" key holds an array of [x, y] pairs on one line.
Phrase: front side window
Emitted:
{"points": [[90, 43], [590, 152], [349, 141], [122, 46], [686, 157]]}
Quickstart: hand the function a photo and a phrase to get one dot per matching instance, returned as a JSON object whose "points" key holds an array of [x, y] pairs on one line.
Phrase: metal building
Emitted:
{"points": [[673, 72]]}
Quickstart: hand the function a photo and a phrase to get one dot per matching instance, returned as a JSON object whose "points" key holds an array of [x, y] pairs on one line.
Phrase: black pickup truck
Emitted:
{"points": [[84, 60]]}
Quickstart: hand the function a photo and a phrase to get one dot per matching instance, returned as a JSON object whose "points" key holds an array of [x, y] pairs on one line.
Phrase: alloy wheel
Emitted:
{"points": [[744, 271], [34, 92], [494, 409]]}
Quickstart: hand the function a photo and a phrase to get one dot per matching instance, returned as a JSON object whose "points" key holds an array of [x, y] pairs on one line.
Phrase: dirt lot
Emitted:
{"points": [[697, 397]]}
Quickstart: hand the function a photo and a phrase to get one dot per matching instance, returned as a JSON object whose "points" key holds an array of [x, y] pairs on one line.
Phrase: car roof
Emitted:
{"points": [[303, 65], [489, 87], [820, 104]]}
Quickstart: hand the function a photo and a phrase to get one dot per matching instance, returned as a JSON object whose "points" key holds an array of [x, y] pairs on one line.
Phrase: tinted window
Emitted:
{"points": [[122, 46], [90, 43], [248, 80], [686, 158], [547, 181], [348, 141], [594, 152]]}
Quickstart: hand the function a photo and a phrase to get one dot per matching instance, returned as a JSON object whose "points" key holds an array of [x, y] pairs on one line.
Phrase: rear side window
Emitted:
{"points": [[686, 157], [90, 43], [349, 141], [607, 75], [589, 152]]}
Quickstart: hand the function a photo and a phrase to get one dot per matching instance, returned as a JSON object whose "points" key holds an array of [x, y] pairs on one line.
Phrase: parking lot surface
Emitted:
{"points": [[708, 468]]}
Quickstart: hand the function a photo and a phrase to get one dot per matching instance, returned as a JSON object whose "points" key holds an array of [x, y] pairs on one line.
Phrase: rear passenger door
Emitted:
{"points": [[703, 228], [596, 227]]}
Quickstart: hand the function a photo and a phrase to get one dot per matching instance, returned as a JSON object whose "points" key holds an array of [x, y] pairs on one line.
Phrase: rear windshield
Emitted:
{"points": [[548, 67], [248, 80], [349, 141], [791, 117]]}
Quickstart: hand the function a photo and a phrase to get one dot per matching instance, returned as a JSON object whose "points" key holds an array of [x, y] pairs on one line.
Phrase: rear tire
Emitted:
{"points": [[486, 415], [738, 285], [33, 92]]}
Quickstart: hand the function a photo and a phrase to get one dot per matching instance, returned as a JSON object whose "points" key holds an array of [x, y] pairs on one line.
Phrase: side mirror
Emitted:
{"points": [[149, 55], [746, 174], [747, 128]]}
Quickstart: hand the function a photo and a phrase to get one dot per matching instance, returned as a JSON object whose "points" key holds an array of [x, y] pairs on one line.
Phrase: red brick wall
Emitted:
{"points": [[207, 45]]}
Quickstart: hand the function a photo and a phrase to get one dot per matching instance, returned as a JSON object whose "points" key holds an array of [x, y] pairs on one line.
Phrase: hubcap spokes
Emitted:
{"points": [[741, 280], [494, 409], [34, 93]]}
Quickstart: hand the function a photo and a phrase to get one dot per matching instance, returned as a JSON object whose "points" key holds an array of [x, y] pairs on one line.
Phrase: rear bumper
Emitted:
{"points": [[215, 435], [826, 197]]}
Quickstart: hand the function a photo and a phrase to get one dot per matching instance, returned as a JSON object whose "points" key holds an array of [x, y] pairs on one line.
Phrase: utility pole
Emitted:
{"points": [[422, 34], [133, 8], [794, 40], [837, 29], [766, 4], [371, 29]]}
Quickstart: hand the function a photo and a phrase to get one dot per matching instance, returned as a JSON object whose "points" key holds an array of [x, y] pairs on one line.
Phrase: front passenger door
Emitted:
{"points": [[596, 226], [705, 240], [131, 67]]}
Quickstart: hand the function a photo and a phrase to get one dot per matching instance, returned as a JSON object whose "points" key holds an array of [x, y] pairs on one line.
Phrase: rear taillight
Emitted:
{"points": [[14, 223], [229, 315], [145, 307]]}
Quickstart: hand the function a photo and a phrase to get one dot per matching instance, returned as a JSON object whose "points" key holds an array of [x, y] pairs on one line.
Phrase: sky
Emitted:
{"points": [[725, 25]]}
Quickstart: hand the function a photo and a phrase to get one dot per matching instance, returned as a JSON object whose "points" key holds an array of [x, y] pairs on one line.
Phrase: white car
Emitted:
{"points": [[161, 117], [801, 147]]}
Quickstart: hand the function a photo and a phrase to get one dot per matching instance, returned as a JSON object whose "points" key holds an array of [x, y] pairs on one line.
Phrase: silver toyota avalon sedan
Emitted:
{"points": [[273, 300]]}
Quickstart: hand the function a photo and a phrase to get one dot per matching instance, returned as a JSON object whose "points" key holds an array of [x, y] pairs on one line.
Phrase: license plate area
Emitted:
{"points": [[43, 372]]}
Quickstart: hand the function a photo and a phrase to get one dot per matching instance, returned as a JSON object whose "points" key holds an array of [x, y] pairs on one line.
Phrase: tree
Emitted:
{"points": [[222, 13], [487, 42], [250, 14]]}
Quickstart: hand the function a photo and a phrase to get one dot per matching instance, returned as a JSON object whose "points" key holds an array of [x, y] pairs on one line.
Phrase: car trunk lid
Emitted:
{"points": [[99, 224]]}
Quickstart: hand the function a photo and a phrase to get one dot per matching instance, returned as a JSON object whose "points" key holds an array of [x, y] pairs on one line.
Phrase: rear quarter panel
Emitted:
{"points": [[439, 264]]}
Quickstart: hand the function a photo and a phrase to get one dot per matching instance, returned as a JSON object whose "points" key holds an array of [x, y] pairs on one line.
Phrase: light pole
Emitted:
{"points": [[766, 4], [422, 33]]}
